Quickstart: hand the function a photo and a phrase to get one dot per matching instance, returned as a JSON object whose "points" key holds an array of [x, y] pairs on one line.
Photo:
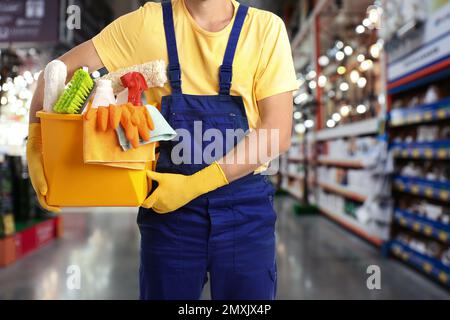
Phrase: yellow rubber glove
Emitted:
{"points": [[36, 167], [176, 190]]}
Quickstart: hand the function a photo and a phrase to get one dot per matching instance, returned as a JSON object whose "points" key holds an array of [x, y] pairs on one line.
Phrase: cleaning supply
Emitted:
{"points": [[162, 199], [104, 94], [36, 167], [102, 118], [115, 114], [74, 183], [102, 148], [76, 93], [154, 73], [55, 75], [122, 97], [135, 122], [136, 85], [162, 130]]}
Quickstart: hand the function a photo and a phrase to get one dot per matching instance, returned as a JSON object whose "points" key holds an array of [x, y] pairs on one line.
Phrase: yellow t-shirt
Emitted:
{"points": [[262, 67]]}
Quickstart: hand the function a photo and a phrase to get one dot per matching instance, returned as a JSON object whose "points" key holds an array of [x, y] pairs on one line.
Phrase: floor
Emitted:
{"points": [[316, 260]]}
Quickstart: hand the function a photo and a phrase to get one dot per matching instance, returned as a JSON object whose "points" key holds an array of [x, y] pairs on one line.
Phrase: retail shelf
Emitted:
{"points": [[293, 176], [360, 128], [29, 238], [422, 187], [425, 150], [345, 163], [423, 225], [343, 191], [296, 159], [430, 266], [431, 73], [352, 225], [295, 194], [425, 113]]}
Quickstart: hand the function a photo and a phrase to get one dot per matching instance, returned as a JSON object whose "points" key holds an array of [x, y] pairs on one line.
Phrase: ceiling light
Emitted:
{"points": [[313, 85], [340, 56], [366, 65], [374, 14], [361, 58], [331, 123], [361, 109], [339, 44], [360, 29], [309, 124], [366, 22], [336, 117], [300, 128], [362, 82], [375, 51], [324, 61], [297, 115], [341, 70], [354, 76], [322, 81], [344, 86], [345, 110], [302, 97], [348, 50]]}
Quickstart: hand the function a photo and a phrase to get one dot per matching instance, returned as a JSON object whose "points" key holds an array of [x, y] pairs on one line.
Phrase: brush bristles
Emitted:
{"points": [[75, 94]]}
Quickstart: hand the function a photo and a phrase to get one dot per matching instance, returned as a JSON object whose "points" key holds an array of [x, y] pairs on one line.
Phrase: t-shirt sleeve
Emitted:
{"points": [[118, 43], [276, 73]]}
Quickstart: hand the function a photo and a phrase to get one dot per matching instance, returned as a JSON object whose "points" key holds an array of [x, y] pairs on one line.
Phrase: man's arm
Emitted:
{"points": [[276, 114], [83, 55]]}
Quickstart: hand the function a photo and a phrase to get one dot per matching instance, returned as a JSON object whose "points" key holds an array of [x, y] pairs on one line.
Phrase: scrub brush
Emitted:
{"points": [[77, 92]]}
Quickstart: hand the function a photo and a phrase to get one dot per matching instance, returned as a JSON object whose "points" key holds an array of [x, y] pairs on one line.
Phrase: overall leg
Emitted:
{"points": [[242, 245], [173, 253]]}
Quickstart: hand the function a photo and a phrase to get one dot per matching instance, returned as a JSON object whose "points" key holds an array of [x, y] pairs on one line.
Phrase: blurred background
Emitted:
{"points": [[363, 195]]}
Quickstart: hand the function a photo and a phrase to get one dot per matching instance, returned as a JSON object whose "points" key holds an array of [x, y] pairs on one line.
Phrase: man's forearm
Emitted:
{"points": [[268, 141], [256, 149], [83, 55], [38, 99]]}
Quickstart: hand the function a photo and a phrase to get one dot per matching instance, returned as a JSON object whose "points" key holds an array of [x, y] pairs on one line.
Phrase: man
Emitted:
{"points": [[230, 68]]}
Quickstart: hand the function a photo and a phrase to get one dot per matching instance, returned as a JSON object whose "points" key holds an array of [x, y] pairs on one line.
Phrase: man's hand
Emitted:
{"points": [[176, 190]]}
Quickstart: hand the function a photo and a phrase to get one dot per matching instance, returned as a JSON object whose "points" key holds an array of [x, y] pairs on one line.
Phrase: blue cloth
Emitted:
{"points": [[229, 232]]}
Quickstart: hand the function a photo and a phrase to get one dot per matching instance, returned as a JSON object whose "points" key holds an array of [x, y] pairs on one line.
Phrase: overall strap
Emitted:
{"points": [[174, 69], [226, 70]]}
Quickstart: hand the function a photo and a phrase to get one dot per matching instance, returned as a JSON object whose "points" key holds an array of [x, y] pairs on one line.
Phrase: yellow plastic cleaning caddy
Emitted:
{"points": [[71, 182]]}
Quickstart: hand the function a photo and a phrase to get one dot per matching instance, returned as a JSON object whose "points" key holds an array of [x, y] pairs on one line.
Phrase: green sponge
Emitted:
{"points": [[76, 93]]}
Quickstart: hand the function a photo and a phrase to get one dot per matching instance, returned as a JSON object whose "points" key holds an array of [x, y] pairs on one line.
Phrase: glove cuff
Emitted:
{"points": [[34, 141], [34, 132], [210, 178]]}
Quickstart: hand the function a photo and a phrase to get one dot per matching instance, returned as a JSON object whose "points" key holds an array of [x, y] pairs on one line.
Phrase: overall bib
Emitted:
{"points": [[229, 232]]}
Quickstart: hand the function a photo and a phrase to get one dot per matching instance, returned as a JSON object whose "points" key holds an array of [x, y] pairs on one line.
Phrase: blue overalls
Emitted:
{"points": [[229, 232]]}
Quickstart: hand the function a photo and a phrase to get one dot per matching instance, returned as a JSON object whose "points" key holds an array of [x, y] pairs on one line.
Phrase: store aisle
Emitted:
{"points": [[317, 260]]}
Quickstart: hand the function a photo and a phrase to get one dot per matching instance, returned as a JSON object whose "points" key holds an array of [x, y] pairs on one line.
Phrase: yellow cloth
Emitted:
{"points": [[103, 148], [186, 188], [263, 65]]}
